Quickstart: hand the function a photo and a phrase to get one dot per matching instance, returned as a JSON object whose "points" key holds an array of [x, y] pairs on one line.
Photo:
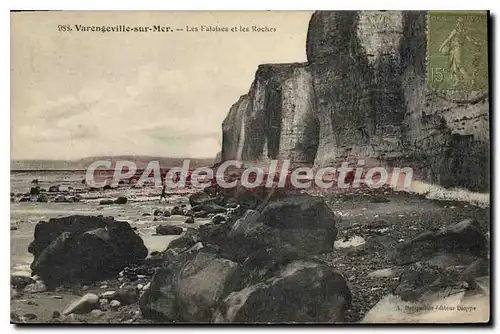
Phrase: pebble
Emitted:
{"points": [[140, 286], [144, 288], [387, 272], [115, 304], [103, 287], [108, 294], [83, 305]]}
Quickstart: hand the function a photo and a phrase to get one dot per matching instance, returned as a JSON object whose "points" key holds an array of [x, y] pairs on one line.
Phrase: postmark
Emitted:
{"points": [[457, 54]]}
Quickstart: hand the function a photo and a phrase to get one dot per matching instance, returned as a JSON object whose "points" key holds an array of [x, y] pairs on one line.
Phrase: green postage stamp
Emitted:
{"points": [[457, 50]]}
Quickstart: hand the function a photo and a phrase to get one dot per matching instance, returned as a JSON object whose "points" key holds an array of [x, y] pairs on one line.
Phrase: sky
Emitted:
{"points": [[80, 94]]}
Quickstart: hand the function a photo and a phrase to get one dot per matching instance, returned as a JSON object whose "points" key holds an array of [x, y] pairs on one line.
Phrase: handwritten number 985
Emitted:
{"points": [[63, 27]]}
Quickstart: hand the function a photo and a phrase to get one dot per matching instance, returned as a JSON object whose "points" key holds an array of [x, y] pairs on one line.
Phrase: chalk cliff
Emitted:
{"points": [[363, 94]]}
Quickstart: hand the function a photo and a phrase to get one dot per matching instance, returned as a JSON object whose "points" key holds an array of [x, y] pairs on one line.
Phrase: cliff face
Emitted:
{"points": [[276, 119], [363, 94]]}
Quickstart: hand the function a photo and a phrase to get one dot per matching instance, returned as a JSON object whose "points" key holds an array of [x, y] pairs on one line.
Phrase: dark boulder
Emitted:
{"points": [[200, 214], [121, 200], [305, 292], [42, 198], [161, 213], [177, 211], [54, 189], [83, 249], [212, 207], [168, 230], [299, 212], [215, 234], [299, 225], [106, 202], [463, 237], [190, 220], [198, 198], [188, 213], [423, 278], [188, 288], [188, 239], [20, 282], [35, 191], [203, 281], [159, 302]]}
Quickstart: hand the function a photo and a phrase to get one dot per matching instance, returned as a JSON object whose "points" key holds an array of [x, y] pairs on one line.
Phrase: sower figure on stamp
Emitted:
{"points": [[453, 46]]}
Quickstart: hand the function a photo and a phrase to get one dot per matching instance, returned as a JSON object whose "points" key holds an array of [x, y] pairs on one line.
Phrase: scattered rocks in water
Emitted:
{"points": [[168, 230], [190, 220], [121, 200], [83, 305]]}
